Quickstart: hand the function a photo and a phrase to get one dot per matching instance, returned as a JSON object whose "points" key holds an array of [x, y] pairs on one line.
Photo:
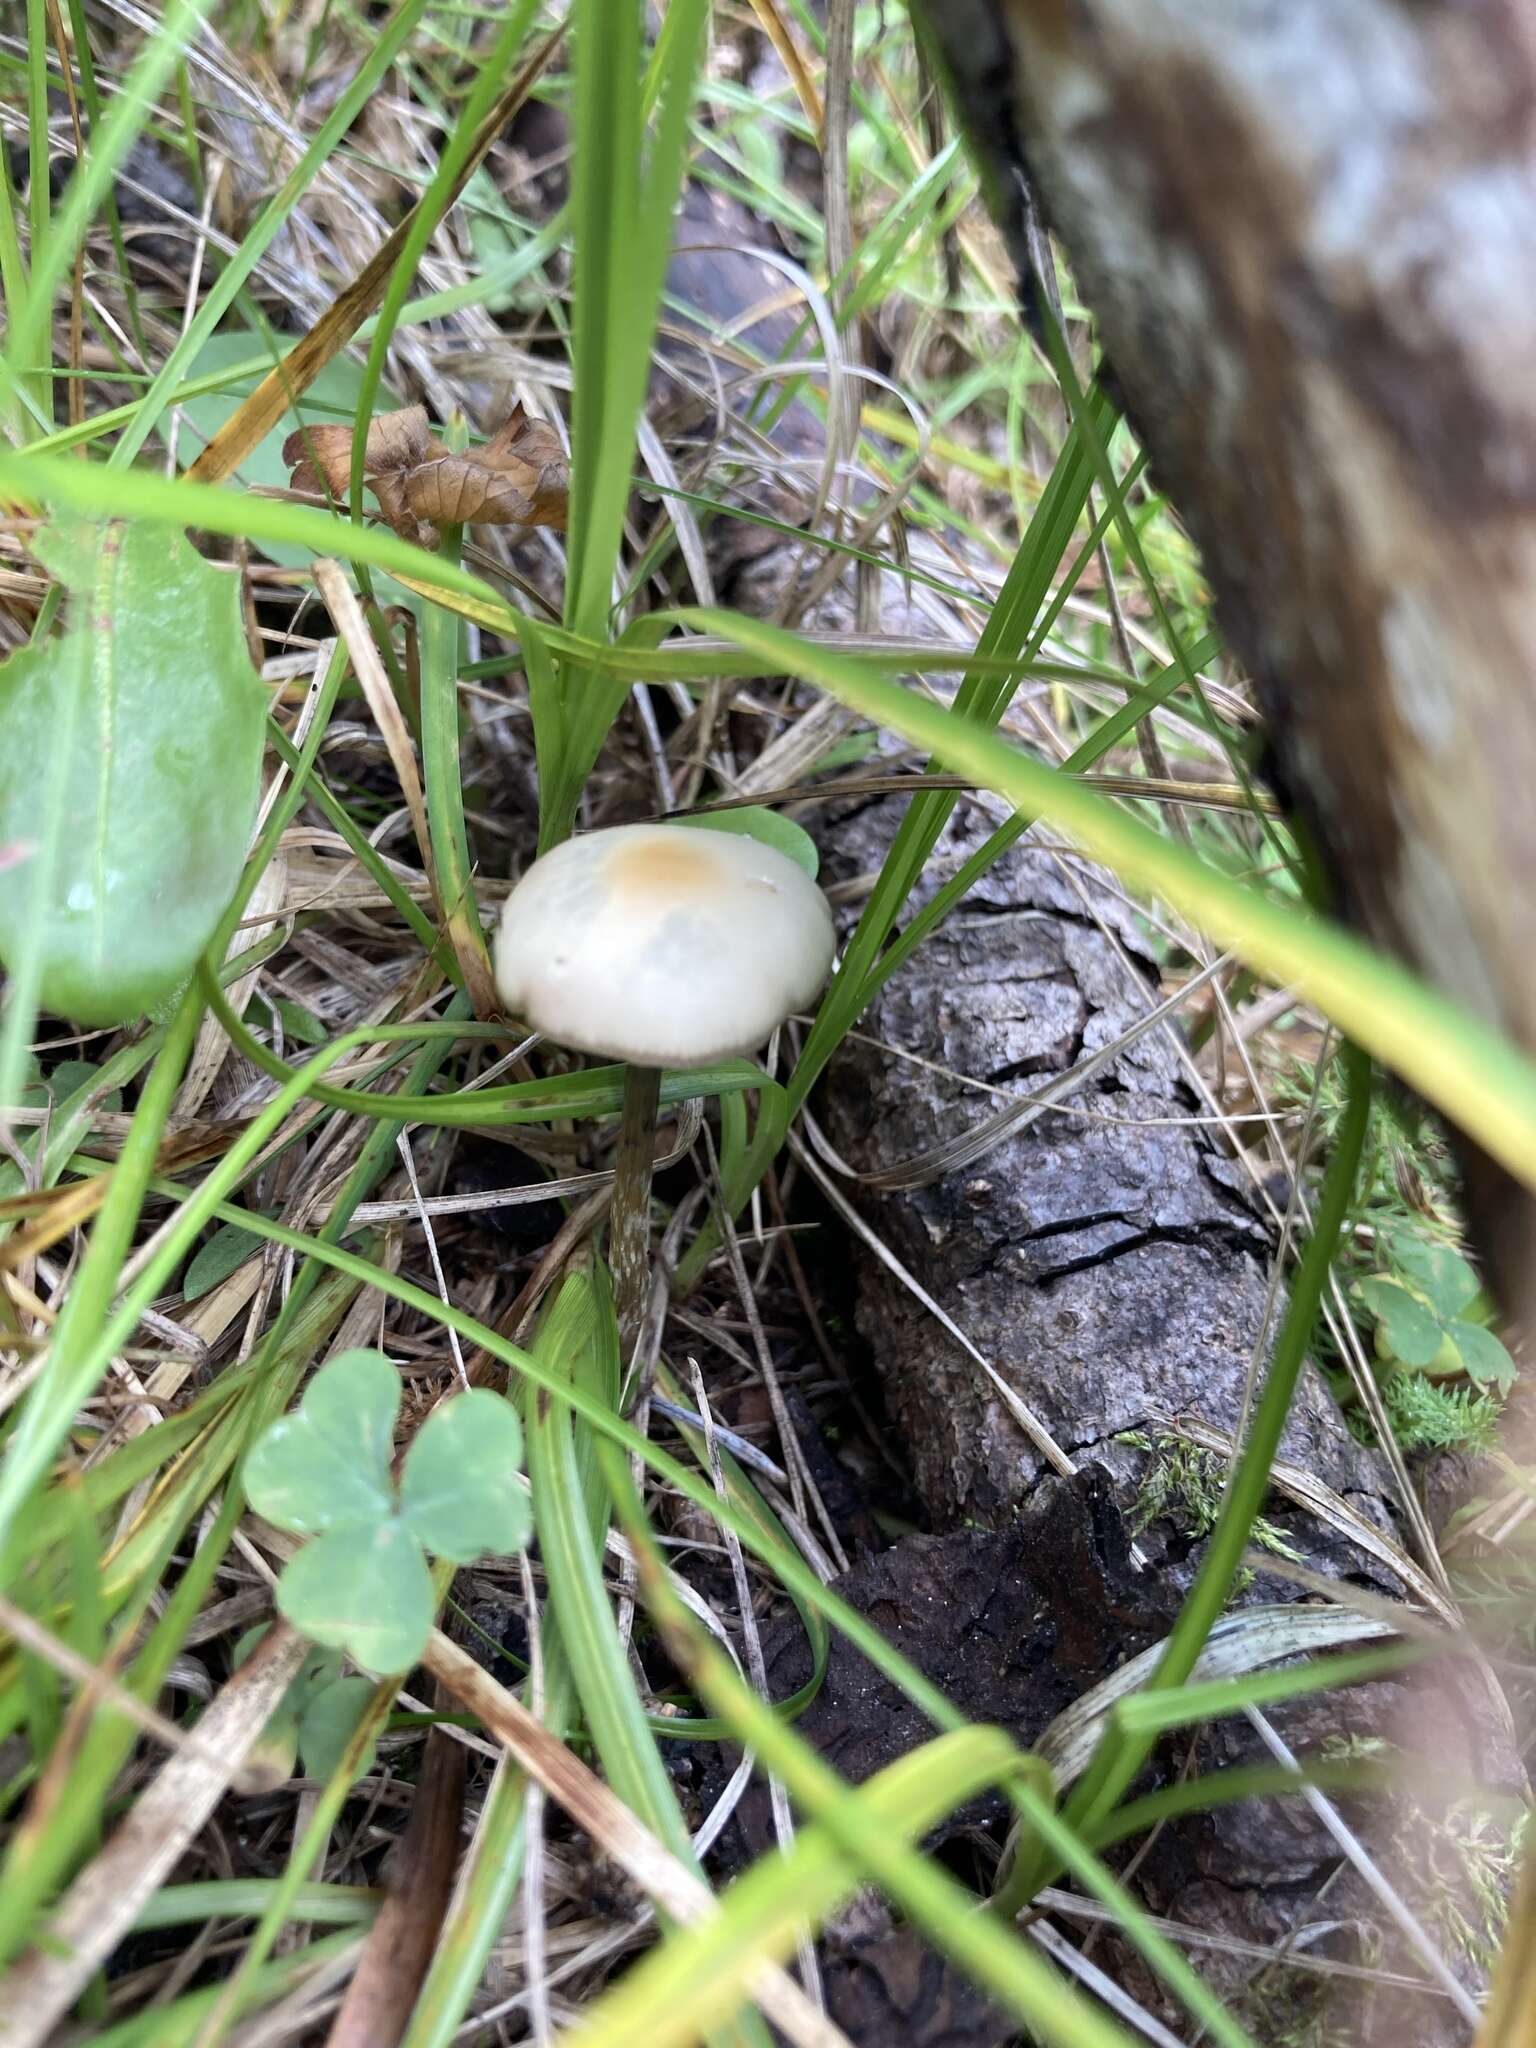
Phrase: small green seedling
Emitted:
{"points": [[325, 1471], [1420, 1309], [314, 1721]]}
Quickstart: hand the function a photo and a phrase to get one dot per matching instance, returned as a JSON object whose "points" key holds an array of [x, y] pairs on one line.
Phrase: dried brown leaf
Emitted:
{"points": [[321, 457], [519, 478], [390, 492]]}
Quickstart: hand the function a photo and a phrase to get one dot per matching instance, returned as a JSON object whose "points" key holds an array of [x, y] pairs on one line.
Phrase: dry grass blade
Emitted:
{"points": [[1068, 1957], [776, 28], [345, 610], [1510, 2019], [63, 1209], [293, 376], [1242, 1642], [1386, 1893], [98, 1685], [1218, 796], [394, 1961], [1309, 1492], [104, 1900], [1070, 1906], [341, 602], [615, 1829]]}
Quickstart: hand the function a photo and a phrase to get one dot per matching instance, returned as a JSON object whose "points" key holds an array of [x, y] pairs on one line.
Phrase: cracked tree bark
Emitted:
{"points": [[1111, 1266], [1305, 234], [1109, 1263], [1114, 1274]]}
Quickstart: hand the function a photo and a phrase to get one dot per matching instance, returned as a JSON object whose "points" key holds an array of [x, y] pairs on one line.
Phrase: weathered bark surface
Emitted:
{"points": [[1110, 1265], [1305, 231], [1112, 1268]]}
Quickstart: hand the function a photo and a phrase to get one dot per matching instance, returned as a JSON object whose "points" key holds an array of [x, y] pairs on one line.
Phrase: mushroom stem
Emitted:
{"points": [[629, 1219]]}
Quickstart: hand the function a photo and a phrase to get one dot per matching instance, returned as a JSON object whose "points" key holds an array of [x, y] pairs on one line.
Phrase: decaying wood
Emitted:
{"points": [[1110, 1264], [1305, 232], [1109, 1261]]}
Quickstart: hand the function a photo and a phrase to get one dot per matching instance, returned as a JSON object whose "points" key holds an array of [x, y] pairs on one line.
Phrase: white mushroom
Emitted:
{"points": [[659, 945]]}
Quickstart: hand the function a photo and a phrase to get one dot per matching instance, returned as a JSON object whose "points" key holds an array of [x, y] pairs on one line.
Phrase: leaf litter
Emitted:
{"points": [[519, 477]]}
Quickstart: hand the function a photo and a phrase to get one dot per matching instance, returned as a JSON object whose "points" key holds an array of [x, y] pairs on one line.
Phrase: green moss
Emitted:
{"points": [[1429, 1416], [1469, 1858], [1183, 1484]]}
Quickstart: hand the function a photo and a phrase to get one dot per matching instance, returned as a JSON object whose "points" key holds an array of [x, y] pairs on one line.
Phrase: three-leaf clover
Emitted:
{"points": [[1420, 1317], [324, 1471]]}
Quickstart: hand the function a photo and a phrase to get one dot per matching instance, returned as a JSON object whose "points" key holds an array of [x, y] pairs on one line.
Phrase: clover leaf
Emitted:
{"points": [[1424, 1310], [1409, 1327], [313, 1721], [1444, 1278], [362, 1584]]}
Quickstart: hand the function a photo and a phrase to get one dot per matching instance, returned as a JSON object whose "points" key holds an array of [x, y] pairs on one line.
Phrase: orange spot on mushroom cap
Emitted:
{"points": [[668, 864]]}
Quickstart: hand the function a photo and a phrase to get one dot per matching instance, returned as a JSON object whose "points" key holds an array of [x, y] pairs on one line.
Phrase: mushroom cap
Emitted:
{"points": [[661, 944]]}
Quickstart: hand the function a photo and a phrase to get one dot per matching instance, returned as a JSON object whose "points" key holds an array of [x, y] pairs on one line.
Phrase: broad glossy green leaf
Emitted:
{"points": [[756, 821], [1412, 1331], [460, 1490], [130, 746], [364, 1589], [326, 1465]]}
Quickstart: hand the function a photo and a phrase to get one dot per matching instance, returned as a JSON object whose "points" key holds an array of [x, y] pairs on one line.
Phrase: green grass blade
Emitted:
{"points": [[1465, 1068], [28, 343], [581, 1320], [301, 1862], [990, 1954], [1121, 1754], [258, 238], [700, 1974], [165, 501], [623, 198], [75, 1360], [426, 217]]}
